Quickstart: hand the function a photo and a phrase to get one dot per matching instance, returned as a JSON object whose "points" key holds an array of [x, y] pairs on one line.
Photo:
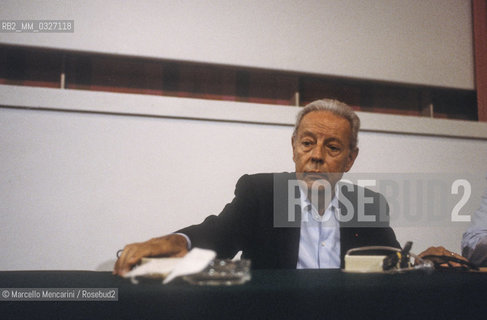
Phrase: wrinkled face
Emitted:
{"points": [[321, 148]]}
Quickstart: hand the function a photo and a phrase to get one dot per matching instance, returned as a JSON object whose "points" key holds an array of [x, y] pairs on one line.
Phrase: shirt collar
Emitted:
{"points": [[306, 203]]}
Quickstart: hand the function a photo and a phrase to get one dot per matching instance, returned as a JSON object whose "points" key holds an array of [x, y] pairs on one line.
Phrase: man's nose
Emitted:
{"points": [[318, 155]]}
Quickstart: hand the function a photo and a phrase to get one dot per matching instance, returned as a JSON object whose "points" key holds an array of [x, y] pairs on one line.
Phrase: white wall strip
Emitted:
{"points": [[213, 110]]}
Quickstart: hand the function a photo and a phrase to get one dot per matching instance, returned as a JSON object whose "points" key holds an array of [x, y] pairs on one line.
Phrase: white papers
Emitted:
{"points": [[154, 267], [170, 268], [195, 261]]}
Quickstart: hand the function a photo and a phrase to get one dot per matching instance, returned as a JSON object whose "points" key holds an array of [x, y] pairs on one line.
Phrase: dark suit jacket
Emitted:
{"points": [[248, 224]]}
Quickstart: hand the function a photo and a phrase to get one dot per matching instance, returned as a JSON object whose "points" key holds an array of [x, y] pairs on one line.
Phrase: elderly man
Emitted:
{"points": [[262, 220]]}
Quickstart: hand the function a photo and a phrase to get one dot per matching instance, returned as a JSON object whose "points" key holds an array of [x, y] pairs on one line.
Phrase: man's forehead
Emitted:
{"points": [[324, 119]]}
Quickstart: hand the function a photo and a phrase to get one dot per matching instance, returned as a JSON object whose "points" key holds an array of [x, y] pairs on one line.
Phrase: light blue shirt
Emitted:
{"points": [[319, 240], [477, 230]]}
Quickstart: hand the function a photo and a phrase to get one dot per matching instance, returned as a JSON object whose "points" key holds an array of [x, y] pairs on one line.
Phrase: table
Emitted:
{"points": [[271, 294]]}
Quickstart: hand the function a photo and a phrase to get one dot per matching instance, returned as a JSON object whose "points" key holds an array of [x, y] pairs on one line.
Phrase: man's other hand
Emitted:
{"points": [[441, 251], [173, 245]]}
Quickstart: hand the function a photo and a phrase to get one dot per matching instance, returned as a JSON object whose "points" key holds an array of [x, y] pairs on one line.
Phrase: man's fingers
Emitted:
{"points": [[441, 251], [130, 256], [171, 245], [437, 251]]}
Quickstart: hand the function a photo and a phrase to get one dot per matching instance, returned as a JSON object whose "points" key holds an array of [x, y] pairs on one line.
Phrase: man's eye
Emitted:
{"points": [[334, 148], [306, 143]]}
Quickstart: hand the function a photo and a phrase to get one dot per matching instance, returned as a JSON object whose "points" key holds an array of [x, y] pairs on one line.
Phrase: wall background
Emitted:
{"points": [[77, 185], [416, 41]]}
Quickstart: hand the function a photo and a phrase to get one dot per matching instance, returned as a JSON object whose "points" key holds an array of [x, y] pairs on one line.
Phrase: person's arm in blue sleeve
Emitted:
{"points": [[474, 242]]}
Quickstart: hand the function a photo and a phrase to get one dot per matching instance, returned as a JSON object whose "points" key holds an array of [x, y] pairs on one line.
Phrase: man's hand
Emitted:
{"points": [[441, 251], [173, 245]]}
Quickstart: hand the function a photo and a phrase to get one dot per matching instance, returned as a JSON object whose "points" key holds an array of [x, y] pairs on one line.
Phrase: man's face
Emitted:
{"points": [[321, 148]]}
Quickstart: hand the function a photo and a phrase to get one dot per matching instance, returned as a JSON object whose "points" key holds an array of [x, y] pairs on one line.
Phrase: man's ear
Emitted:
{"points": [[351, 159], [292, 144]]}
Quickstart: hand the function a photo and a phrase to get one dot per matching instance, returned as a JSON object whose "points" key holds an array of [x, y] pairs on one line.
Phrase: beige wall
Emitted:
{"points": [[415, 41]]}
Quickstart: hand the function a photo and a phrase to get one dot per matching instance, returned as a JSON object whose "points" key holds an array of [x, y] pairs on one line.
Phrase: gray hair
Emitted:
{"points": [[337, 108]]}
